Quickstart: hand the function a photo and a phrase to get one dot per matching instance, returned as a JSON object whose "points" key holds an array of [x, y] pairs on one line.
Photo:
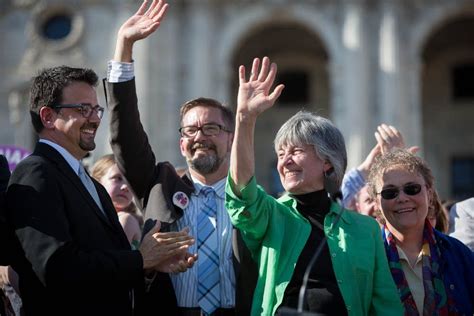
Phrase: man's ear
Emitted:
{"points": [[182, 147], [47, 115]]}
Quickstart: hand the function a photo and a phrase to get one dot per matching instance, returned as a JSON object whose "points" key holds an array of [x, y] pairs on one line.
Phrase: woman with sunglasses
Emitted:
{"points": [[433, 272]]}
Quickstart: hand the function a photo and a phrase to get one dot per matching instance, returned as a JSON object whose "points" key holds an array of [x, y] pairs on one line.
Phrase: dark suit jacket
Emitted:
{"points": [[75, 261], [155, 184], [4, 173], [7, 238]]}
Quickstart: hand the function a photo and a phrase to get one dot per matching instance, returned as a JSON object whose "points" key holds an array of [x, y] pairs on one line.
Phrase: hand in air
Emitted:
{"points": [[254, 95], [143, 22]]}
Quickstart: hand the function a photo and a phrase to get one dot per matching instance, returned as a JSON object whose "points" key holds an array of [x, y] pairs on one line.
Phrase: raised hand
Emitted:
{"points": [[140, 25], [364, 167], [389, 138], [254, 95]]}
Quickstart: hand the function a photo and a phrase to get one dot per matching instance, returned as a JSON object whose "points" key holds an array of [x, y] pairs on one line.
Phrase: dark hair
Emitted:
{"points": [[226, 113], [47, 88]]}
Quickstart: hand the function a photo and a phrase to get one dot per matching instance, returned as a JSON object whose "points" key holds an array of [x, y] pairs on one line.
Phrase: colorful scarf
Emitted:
{"points": [[437, 301]]}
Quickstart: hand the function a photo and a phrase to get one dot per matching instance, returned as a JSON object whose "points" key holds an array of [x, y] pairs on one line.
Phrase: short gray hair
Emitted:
{"points": [[305, 128]]}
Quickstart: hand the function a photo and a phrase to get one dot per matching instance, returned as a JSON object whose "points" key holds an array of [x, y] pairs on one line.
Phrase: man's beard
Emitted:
{"points": [[205, 164], [88, 145]]}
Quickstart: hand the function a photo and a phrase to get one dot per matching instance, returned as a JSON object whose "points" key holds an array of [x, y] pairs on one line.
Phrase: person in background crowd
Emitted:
{"points": [[222, 281], [106, 171], [75, 258], [438, 215], [461, 222], [365, 204], [433, 272], [351, 276], [388, 138]]}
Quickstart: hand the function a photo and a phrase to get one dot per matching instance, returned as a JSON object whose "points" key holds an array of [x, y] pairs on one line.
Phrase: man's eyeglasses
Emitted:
{"points": [[408, 189], [85, 109], [207, 129]]}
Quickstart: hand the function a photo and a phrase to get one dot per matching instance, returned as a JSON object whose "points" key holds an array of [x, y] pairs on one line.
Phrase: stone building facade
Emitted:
{"points": [[409, 63]]}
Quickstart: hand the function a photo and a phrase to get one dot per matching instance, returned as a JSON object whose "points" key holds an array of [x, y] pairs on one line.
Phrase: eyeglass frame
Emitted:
{"points": [[402, 188], [201, 128], [98, 109]]}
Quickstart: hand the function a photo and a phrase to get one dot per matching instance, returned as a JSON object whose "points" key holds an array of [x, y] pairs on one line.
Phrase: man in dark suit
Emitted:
{"points": [[6, 250], [206, 138], [4, 173], [76, 259], [5, 242]]}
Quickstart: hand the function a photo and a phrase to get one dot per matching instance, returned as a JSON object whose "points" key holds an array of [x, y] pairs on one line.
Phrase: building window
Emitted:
{"points": [[57, 27], [462, 177], [296, 90], [463, 82]]}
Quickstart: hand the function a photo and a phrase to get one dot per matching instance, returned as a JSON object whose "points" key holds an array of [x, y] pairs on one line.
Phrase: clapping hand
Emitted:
{"points": [[167, 252]]}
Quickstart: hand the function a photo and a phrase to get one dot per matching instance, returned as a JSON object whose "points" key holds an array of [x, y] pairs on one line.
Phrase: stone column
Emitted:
{"points": [[165, 88], [201, 49], [354, 115], [398, 98]]}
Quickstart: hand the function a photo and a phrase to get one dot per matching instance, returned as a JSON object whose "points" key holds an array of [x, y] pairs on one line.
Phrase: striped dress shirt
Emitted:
{"points": [[185, 284]]}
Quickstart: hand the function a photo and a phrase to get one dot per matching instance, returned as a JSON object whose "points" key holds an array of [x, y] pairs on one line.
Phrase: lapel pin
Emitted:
{"points": [[180, 199]]}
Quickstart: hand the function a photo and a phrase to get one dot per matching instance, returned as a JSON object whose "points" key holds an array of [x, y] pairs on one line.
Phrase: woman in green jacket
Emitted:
{"points": [[351, 275]]}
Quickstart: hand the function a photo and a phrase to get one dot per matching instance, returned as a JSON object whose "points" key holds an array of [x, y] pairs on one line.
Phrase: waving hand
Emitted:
{"points": [[140, 25], [254, 95]]}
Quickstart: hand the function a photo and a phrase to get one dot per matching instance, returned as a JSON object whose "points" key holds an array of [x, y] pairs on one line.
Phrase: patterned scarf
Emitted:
{"points": [[436, 300]]}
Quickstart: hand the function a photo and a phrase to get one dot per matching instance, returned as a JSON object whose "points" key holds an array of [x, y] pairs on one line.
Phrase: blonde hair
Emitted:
{"points": [[438, 211], [100, 168]]}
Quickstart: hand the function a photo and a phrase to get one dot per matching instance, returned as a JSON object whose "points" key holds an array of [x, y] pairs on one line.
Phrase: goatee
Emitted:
{"points": [[206, 164]]}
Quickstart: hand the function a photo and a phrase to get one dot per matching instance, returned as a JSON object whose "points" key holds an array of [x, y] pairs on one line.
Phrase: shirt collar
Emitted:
{"points": [[219, 187], [73, 162], [403, 256]]}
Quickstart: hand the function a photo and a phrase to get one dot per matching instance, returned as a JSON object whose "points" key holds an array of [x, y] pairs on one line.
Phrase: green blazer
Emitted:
{"points": [[276, 233]]}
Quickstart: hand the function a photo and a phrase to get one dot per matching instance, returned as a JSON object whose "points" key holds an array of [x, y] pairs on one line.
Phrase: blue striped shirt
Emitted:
{"points": [[352, 183], [185, 284]]}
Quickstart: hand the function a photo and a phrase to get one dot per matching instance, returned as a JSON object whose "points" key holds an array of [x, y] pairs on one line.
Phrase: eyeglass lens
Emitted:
{"points": [[408, 189], [206, 129], [87, 110]]}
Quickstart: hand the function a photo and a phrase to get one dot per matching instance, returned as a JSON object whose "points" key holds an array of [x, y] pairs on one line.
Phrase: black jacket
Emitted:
{"points": [[75, 260]]}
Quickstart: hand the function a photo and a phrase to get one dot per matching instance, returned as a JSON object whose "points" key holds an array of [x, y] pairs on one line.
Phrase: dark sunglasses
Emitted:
{"points": [[408, 189]]}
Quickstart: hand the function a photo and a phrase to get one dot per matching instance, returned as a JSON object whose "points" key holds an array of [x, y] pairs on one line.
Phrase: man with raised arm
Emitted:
{"points": [[214, 286]]}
